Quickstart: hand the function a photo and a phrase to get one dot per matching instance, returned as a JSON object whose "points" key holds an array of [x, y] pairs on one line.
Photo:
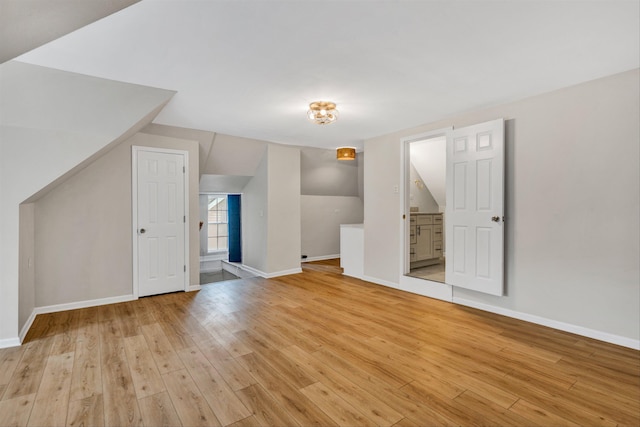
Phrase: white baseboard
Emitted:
{"points": [[83, 304], [422, 287], [9, 342], [283, 273], [379, 282], [443, 292], [356, 276], [320, 258], [237, 270], [27, 326], [71, 306], [252, 270], [193, 288], [567, 327], [426, 288], [271, 275]]}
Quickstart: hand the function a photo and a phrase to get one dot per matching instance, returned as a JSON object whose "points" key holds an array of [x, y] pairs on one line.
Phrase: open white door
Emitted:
{"points": [[475, 208], [159, 221]]}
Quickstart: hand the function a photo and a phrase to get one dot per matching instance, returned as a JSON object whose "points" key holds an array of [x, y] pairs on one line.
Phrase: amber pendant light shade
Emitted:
{"points": [[346, 153]]}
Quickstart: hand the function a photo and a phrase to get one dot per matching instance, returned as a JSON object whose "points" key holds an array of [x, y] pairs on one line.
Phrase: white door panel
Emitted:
{"points": [[474, 228], [160, 222]]}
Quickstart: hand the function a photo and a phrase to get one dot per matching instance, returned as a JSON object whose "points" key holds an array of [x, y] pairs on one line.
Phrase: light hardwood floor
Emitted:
{"points": [[435, 272], [309, 349]]}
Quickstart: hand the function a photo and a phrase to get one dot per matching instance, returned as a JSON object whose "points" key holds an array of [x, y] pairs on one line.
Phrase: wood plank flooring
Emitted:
{"points": [[312, 349]]}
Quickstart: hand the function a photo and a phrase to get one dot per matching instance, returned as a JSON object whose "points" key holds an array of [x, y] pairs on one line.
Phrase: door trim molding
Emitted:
{"points": [[135, 149]]}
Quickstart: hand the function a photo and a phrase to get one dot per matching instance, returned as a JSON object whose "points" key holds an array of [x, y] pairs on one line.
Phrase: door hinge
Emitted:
{"points": [[184, 219], [184, 169], [185, 269]]}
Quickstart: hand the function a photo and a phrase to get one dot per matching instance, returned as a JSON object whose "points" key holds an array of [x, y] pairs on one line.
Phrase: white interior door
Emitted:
{"points": [[160, 222], [475, 208]]}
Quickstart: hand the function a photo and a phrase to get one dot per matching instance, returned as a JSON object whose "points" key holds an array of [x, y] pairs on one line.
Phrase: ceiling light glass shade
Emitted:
{"points": [[322, 112], [346, 153]]}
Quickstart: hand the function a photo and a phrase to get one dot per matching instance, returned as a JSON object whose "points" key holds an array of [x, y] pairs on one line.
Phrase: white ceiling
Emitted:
{"points": [[250, 68]]}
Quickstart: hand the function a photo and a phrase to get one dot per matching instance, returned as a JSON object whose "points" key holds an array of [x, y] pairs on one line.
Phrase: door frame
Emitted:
{"points": [[412, 284], [135, 149]]}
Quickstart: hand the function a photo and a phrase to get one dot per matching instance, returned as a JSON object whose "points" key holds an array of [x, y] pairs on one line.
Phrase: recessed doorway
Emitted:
{"points": [[453, 210], [427, 203]]}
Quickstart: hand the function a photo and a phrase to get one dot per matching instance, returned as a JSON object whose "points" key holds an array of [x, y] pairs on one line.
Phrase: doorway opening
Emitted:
{"points": [[426, 187], [220, 237]]}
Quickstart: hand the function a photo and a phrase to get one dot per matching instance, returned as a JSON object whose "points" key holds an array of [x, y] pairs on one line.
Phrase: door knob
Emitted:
{"points": [[495, 218], [142, 231]]}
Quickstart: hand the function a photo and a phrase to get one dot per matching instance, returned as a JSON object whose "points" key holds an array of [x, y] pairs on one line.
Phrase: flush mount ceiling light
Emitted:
{"points": [[346, 153], [322, 112]]}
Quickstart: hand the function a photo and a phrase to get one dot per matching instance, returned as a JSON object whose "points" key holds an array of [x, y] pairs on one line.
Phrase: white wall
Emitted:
{"points": [[323, 175], [360, 160], [420, 198], [572, 205], [382, 177], [331, 195], [26, 260], [321, 218], [229, 184], [271, 214], [204, 138], [83, 228], [255, 213], [429, 158], [4, 289], [283, 248], [234, 155], [83, 234], [53, 123]]}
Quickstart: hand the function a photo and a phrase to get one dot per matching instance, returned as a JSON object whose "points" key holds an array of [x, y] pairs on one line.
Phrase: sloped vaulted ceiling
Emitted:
{"points": [[52, 120], [251, 68]]}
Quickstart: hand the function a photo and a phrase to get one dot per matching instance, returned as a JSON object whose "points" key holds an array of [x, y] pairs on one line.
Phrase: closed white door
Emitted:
{"points": [[160, 221], [475, 208]]}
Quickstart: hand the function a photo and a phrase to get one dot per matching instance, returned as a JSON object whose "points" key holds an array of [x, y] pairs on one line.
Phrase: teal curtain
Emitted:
{"points": [[235, 237]]}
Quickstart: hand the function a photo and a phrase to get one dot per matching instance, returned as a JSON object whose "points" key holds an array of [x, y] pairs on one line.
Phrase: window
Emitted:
{"points": [[218, 223]]}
